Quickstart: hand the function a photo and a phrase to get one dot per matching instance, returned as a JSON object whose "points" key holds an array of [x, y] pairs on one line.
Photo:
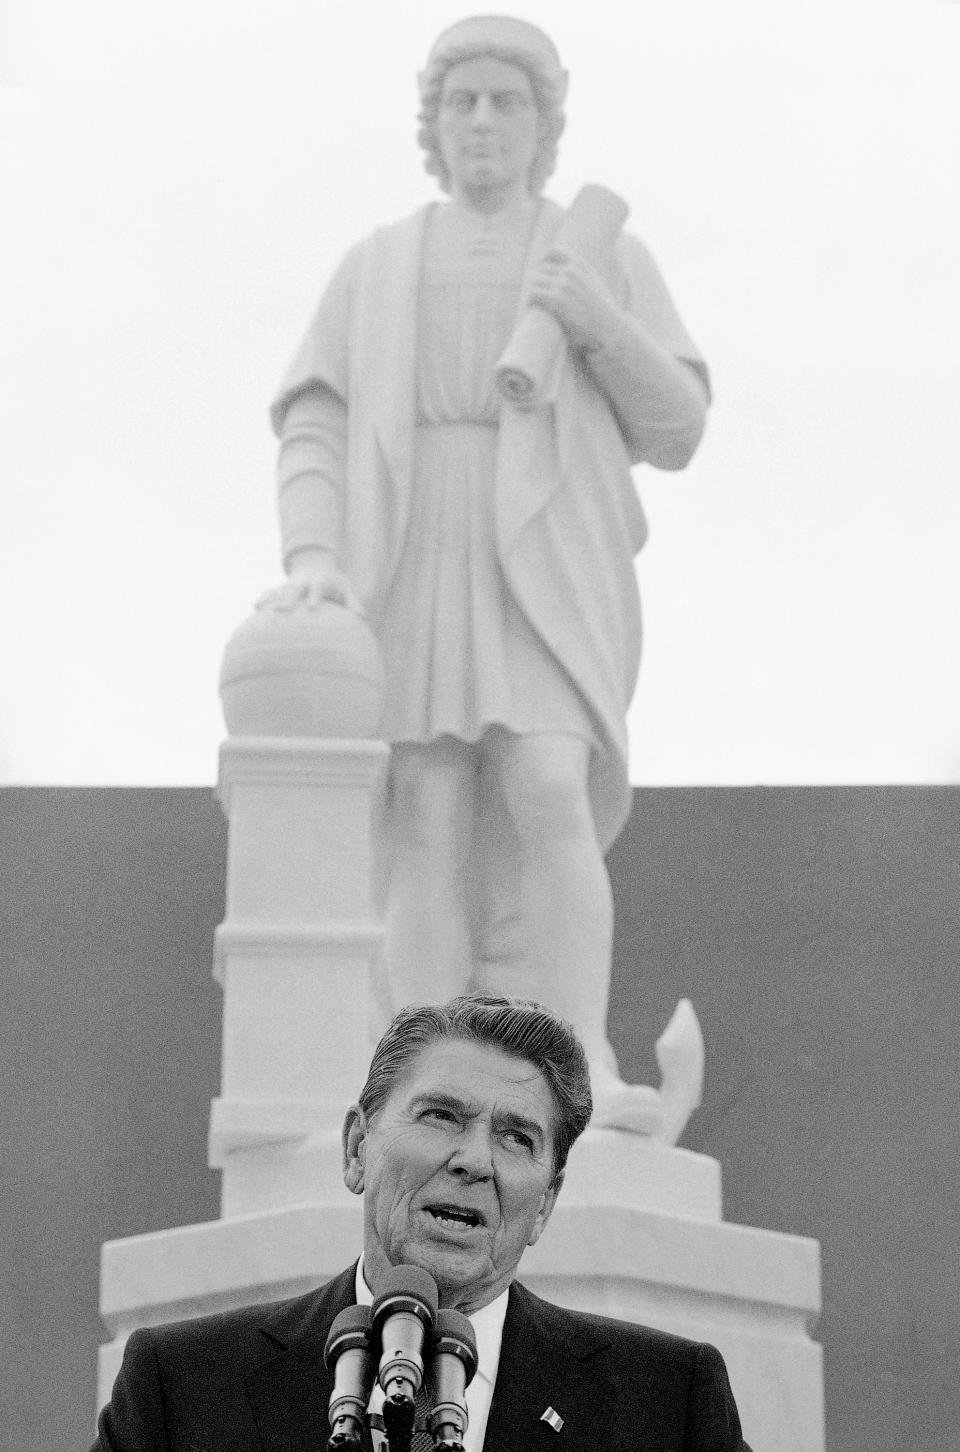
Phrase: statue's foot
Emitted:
{"points": [[662, 1113], [616, 1105], [680, 1054]]}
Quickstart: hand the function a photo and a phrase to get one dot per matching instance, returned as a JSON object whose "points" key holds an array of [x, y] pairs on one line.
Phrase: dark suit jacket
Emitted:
{"points": [[254, 1381]]}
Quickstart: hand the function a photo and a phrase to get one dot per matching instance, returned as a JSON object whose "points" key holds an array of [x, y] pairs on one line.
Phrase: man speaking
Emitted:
{"points": [[458, 1145]]}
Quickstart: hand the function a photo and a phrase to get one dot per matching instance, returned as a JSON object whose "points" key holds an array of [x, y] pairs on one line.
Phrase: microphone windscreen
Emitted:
{"points": [[407, 1281], [454, 1332], [350, 1328]]}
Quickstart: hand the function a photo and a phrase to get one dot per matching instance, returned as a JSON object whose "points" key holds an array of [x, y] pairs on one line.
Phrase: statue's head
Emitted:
{"points": [[517, 43]]}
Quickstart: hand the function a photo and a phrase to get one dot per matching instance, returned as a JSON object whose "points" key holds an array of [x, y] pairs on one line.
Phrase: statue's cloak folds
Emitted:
{"points": [[568, 520]]}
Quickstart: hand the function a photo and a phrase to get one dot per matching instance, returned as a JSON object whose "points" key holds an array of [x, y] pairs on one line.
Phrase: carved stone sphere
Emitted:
{"points": [[302, 672]]}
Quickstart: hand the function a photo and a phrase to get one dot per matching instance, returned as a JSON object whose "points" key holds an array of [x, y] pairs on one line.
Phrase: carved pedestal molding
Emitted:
{"points": [[293, 957]]}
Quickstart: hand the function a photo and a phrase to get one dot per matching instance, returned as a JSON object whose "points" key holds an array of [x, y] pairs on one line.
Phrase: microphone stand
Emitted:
{"points": [[398, 1422]]}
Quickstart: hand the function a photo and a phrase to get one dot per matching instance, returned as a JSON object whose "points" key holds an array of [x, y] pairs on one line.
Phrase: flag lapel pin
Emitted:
{"points": [[553, 1419]]}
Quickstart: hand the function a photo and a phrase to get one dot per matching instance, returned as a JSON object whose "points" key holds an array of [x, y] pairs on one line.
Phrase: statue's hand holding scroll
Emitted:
{"points": [[315, 577], [574, 293], [569, 301]]}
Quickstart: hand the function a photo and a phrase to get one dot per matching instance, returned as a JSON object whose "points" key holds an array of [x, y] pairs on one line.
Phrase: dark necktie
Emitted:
{"points": [[422, 1441]]}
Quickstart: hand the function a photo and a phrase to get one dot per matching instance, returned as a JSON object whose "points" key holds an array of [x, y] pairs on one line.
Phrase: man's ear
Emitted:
{"points": [[353, 1139], [547, 1202]]}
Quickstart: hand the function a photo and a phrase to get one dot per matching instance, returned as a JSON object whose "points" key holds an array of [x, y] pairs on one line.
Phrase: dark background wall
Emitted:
{"points": [[816, 930]]}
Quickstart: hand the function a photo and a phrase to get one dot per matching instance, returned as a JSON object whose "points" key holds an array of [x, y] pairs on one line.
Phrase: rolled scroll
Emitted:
{"points": [[527, 372]]}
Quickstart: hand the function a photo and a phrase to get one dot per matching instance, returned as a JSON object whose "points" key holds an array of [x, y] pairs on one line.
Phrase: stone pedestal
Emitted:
{"points": [[293, 957], [302, 692], [637, 1232]]}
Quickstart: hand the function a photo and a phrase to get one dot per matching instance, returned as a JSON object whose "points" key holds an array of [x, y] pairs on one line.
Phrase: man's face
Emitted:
{"points": [[456, 1169], [488, 125]]}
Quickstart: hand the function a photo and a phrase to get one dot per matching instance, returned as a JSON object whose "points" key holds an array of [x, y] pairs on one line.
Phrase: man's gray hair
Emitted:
{"points": [[516, 1026]]}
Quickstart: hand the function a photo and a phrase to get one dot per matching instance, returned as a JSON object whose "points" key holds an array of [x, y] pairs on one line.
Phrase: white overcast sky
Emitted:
{"points": [[177, 181]]}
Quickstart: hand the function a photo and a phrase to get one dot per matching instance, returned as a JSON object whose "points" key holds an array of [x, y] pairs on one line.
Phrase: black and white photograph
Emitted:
{"points": [[480, 726]]}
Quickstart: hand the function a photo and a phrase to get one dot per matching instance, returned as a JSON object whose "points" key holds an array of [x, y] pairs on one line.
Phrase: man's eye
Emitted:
{"points": [[446, 1116], [517, 1137]]}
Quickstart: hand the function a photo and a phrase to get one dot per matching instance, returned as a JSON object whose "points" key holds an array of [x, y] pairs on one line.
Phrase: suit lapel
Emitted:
{"points": [[290, 1391], [544, 1366]]}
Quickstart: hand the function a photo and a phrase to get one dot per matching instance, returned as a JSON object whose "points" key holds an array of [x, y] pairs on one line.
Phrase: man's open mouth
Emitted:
{"points": [[454, 1217]]}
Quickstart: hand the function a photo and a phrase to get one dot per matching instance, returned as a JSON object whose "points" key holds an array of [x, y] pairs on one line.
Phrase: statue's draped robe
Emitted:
{"points": [[568, 521]]}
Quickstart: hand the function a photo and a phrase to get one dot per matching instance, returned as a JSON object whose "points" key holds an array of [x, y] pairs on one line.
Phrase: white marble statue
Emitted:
{"points": [[490, 540]]}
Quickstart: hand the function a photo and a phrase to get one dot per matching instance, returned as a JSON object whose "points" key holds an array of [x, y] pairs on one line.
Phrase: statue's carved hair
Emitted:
{"points": [[516, 1026], [547, 96]]}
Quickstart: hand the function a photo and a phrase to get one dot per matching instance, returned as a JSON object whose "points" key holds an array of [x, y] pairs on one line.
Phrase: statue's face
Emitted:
{"points": [[488, 125]]}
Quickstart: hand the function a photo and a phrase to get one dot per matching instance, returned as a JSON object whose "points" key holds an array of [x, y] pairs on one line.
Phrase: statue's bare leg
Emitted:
{"points": [[566, 909], [430, 817]]}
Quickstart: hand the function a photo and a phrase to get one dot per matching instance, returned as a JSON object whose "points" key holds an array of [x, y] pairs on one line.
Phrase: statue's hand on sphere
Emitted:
{"points": [[578, 298], [315, 577]]}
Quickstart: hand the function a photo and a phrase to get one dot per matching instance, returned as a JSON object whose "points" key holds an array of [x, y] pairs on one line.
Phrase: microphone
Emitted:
{"points": [[347, 1353], [454, 1353], [403, 1316]]}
